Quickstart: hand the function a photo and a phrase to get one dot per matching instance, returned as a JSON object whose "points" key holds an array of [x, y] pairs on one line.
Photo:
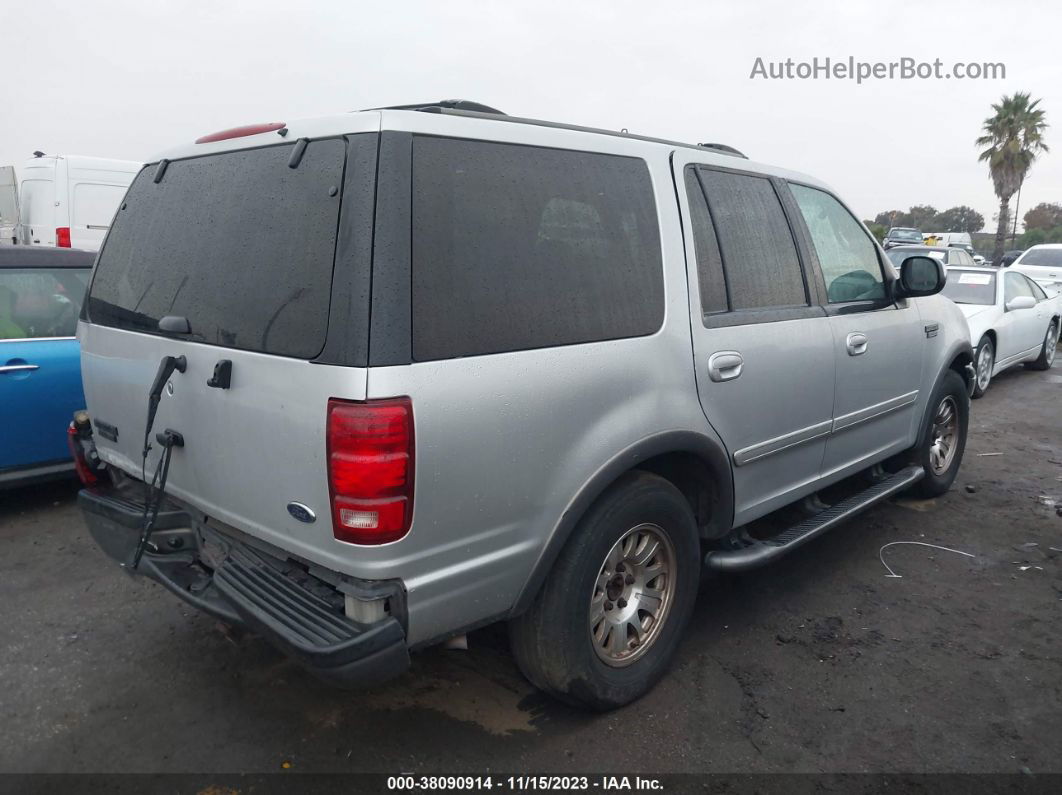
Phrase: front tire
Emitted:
{"points": [[610, 615], [984, 361], [1047, 353], [943, 442]]}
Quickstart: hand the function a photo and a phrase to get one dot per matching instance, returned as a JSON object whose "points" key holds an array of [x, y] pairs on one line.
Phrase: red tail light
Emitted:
{"points": [[81, 464], [62, 237], [370, 469]]}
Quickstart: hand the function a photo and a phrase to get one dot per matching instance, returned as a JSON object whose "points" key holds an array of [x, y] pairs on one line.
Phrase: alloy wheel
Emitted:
{"points": [[984, 366], [632, 596], [945, 435]]}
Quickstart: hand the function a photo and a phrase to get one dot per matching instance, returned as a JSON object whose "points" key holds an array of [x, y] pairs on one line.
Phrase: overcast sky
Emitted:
{"points": [[126, 79]]}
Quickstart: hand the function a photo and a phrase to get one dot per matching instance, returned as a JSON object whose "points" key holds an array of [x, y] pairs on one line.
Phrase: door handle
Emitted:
{"points": [[856, 343], [14, 368], [725, 365]]}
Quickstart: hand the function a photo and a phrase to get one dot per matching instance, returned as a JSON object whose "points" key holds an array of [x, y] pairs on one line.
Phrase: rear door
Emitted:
{"points": [[763, 351], [40, 371], [37, 205], [877, 343], [241, 246], [92, 206]]}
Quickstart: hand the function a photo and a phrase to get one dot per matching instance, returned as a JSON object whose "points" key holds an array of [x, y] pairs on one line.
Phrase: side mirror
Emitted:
{"points": [[1021, 302], [921, 276]]}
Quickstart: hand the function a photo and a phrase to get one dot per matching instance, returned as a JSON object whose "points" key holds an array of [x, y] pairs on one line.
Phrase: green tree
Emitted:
{"points": [[959, 219], [921, 216], [1046, 215], [878, 230], [891, 218], [1013, 137]]}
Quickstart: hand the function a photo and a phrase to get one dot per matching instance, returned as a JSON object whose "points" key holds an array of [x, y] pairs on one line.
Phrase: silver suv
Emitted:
{"points": [[364, 383]]}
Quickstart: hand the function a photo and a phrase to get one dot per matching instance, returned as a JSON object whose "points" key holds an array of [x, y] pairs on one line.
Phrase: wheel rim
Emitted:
{"points": [[945, 436], [632, 595], [984, 366], [1050, 344]]}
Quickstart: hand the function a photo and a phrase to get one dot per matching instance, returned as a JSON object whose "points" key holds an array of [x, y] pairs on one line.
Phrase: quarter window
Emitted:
{"points": [[847, 256], [1016, 285], [518, 247], [762, 266]]}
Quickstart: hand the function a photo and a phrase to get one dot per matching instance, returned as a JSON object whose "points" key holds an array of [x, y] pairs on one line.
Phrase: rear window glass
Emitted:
{"points": [[40, 302], [518, 247], [238, 243], [1049, 257], [94, 205], [971, 287]]}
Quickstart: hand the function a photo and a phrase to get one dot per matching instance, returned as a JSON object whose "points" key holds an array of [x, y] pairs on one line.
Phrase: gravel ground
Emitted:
{"points": [[820, 663]]}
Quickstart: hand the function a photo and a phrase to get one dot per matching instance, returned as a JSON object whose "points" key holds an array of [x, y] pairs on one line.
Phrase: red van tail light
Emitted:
{"points": [[370, 469], [62, 237]]}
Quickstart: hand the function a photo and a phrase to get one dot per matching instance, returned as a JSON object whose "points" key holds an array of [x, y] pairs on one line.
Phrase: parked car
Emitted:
{"points": [[417, 372], [40, 367], [902, 236], [1043, 264], [68, 200], [1010, 316], [947, 255]]}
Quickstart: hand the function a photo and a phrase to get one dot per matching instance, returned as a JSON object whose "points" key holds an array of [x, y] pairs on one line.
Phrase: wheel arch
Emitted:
{"points": [[695, 463]]}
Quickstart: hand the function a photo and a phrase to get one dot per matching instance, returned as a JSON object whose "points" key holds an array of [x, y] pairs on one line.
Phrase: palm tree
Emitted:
{"points": [[1013, 137]]}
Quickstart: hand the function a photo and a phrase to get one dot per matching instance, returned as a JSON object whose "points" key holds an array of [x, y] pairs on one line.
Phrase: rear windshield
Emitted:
{"points": [[971, 287], [1047, 257], [238, 243], [905, 234]]}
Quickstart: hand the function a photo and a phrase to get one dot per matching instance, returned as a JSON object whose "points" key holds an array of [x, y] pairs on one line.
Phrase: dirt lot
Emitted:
{"points": [[820, 664]]}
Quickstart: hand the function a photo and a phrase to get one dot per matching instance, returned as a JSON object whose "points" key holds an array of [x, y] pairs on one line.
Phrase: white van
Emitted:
{"points": [[69, 201]]}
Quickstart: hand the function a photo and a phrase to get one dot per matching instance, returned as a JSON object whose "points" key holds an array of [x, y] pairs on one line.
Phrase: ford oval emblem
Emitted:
{"points": [[302, 512]]}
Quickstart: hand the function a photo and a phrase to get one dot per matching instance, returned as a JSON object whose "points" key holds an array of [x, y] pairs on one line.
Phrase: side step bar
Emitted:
{"points": [[760, 553]]}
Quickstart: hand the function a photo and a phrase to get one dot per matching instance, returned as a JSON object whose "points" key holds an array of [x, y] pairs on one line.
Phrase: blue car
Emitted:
{"points": [[41, 290]]}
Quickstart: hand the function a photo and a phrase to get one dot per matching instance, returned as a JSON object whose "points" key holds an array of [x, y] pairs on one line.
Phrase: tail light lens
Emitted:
{"points": [[62, 237], [85, 470], [370, 469]]}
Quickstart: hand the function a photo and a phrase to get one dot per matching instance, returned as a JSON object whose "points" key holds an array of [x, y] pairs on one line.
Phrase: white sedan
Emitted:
{"points": [[1011, 319], [1042, 264]]}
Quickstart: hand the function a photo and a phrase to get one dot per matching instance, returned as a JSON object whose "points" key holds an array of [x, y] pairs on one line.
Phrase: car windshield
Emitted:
{"points": [[971, 287], [905, 234], [1047, 257]]}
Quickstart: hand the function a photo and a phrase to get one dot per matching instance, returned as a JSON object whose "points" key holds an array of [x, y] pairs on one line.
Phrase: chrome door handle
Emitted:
{"points": [[725, 365], [14, 368], [856, 343]]}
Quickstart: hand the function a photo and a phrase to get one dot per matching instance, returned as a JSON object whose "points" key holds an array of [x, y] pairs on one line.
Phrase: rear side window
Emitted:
{"points": [[519, 247], [94, 205], [847, 256], [40, 302], [238, 243], [762, 266]]}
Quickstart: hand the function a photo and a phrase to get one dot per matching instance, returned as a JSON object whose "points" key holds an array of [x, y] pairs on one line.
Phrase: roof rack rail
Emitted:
{"points": [[446, 104], [724, 149]]}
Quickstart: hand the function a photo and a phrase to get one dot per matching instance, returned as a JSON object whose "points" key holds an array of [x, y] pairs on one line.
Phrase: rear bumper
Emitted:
{"points": [[245, 586]]}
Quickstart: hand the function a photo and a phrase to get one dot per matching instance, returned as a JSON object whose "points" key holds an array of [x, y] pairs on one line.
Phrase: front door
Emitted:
{"points": [[877, 342], [763, 351]]}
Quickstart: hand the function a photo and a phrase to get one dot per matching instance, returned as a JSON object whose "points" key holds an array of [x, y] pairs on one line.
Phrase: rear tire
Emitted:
{"points": [[943, 441], [1047, 353], [984, 361], [578, 641]]}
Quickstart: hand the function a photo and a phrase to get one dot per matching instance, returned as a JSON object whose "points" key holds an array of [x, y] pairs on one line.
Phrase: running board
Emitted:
{"points": [[760, 553]]}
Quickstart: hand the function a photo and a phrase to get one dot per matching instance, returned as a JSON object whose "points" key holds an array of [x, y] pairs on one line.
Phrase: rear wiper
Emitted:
{"points": [[175, 324]]}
